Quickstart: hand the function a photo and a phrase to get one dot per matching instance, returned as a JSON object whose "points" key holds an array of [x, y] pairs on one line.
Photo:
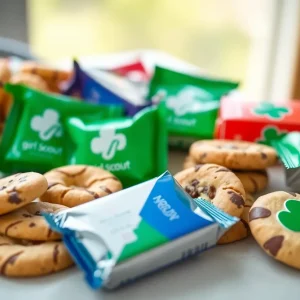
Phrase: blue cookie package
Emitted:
{"points": [[102, 87], [137, 231]]}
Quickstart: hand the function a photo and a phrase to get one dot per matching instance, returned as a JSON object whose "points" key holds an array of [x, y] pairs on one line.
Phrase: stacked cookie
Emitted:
{"points": [[239, 166], [28, 247]]}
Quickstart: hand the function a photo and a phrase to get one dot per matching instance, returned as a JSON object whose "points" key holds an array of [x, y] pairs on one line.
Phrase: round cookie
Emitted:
{"points": [[77, 184], [274, 221], [31, 80], [19, 189], [235, 155], [240, 230], [52, 77], [28, 223], [216, 184], [24, 259], [253, 181]]}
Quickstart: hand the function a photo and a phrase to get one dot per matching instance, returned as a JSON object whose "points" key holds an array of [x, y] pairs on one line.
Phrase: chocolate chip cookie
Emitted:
{"points": [[216, 184], [19, 258], [19, 189], [77, 184], [241, 229], [235, 155], [253, 181], [274, 221], [28, 223]]}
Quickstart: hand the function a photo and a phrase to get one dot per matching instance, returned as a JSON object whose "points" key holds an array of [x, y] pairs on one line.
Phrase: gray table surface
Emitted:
{"points": [[236, 271]]}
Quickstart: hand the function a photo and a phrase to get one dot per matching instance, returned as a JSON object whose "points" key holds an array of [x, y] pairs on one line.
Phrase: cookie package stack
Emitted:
{"points": [[246, 161]]}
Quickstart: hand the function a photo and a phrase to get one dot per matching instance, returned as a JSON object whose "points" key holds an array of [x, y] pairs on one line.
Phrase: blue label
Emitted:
{"points": [[168, 209]]}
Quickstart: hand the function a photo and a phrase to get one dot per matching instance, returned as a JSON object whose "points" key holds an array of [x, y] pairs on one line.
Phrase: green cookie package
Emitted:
{"points": [[34, 137], [191, 104], [133, 148]]}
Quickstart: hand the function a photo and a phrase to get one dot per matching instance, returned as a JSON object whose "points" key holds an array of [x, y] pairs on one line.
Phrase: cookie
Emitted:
{"points": [[235, 155], [52, 77], [253, 181], [77, 184], [240, 230], [31, 80], [4, 70], [216, 184], [274, 221], [28, 223], [26, 259], [19, 189]]}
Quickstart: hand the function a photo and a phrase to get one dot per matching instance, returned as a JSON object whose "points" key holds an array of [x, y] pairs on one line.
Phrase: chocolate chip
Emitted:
{"points": [[223, 170], [263, 155], [2, 188], [32, 224], [14, 198], [11, 181], [27, 216], [37, 213], [194, 182], [236, 199], [292, 193], [94, 194], [11, 225], [105, 189], [55, 254], [202, 156], [192, 191], [259, 213], [198, 167], [274, 244], [9, 261], [210, 191]]}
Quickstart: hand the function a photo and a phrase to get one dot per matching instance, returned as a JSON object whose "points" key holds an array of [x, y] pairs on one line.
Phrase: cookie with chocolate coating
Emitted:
{"points": [[235, 155], [20, 258], [216, 184], [20, 189], [76, 184], [274, 221], [28, 223]]}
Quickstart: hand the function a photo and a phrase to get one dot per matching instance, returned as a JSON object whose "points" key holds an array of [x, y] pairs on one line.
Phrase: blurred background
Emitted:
{"points": [[253, 41]]}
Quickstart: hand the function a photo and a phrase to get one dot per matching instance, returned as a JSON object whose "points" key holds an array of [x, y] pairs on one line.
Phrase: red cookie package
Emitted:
{"points": [[256, 122]]}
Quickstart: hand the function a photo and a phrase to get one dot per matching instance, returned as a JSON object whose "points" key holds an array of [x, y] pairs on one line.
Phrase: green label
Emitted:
{"points": [[271, 111], [290, 217], [270, 134]]}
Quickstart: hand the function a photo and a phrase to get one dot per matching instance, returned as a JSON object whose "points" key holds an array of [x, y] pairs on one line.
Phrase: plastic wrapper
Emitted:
{"points": [[288, 149], [110, 239], [192, 104], [132, 148], [34, 137], [99, 87]]}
